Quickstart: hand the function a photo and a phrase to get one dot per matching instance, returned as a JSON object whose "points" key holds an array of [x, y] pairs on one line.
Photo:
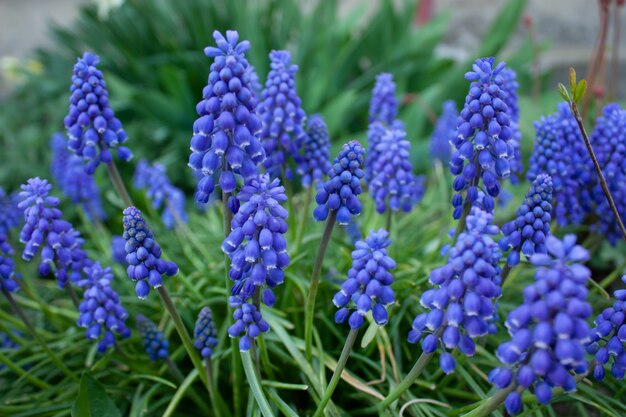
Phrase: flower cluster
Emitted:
{"points": [[10, 215], [560, 153], [375, 133], [281, 112], [205, 333], [440, 148], [462, 305], [100, 311], [161, 192], [67, 170], [314, 161], [609, 144], [607, 338], [258, 251], [384, 104], [549, 330], [394, 185], [510, 86], [483, 138], [7, 266], [152, 339], [340, 192], [530, 228], [61, 245], [369, 282], [225, 136], [91, 123], [145, 265]]}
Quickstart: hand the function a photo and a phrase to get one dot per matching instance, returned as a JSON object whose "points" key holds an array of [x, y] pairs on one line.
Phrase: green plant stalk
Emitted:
{"points": [[217, 402], [315, 280], [467, 207], [389, 220], [255, 385], [305, 215], [592, 155], [227, 217], [505, 272], [37, 337], [341, 364], [490, 405], [72, 293], [182, 332], [114, 174], [180, 378], [406, 383], [22, 373]]}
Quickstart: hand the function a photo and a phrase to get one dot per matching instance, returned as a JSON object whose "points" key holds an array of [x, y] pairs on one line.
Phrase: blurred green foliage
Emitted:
{"points": [[152, 57]]}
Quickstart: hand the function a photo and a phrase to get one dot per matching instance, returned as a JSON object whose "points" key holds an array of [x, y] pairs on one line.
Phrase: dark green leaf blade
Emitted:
{"points": [[93, 401]]}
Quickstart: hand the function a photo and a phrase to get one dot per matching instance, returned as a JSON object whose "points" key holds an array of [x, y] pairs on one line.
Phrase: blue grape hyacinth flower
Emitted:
{"points": [[340, 192], [118, 251], [145, 265], [375, 133], [560, 152], [609, 144], [67, 170], [368, 287], [440, 148], [281, 112], [161, 192], [528, 232], [549, 330], [44, 228], [257, 248], [91, 124], [384, 104], [394, 185], [10, 214], [462, 306], [205, 333], [482, 139], [101, 312], [608, 338], [225, 137], [510, 86], [314, 161], [152, 339], [7, 266]]}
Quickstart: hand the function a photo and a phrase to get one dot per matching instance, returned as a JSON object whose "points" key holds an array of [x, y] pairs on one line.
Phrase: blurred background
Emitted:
{"points": [[151, 55]]}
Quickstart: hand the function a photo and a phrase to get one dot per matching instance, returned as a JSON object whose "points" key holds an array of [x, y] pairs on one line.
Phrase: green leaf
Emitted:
{"points": [[563, 92], [370, 334], [581, 89], [92, 400], [572, 80]]}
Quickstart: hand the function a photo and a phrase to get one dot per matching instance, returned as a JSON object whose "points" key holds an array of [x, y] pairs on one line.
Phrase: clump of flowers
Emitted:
{"points": [[161, 192], [67, 170], [91, 124], [61, 245], [440, 147], [205, 333], [510, 86], [314, 161], [559, 152], [257, 248], [101, 312], [528, 232], [394, 185], [152, 339], [549, 330], [145, 265], [368, 287], [608, 336], [7, 266], [483, 138], [340, 192], [609, 144], [462, 304], [281, 111], [384, 104], [225, 136]]}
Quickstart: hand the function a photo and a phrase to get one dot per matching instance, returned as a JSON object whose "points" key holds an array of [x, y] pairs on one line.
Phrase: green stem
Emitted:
{"points": [[255, 385], [505, 273], [182, 332], [489, 406], [180, 378], [72, 293], [388, 221], [305, 215], [22, 373], [235, 363], [315, 280], [37, 337], [217, 402], [341, 364], [118, 183]]}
